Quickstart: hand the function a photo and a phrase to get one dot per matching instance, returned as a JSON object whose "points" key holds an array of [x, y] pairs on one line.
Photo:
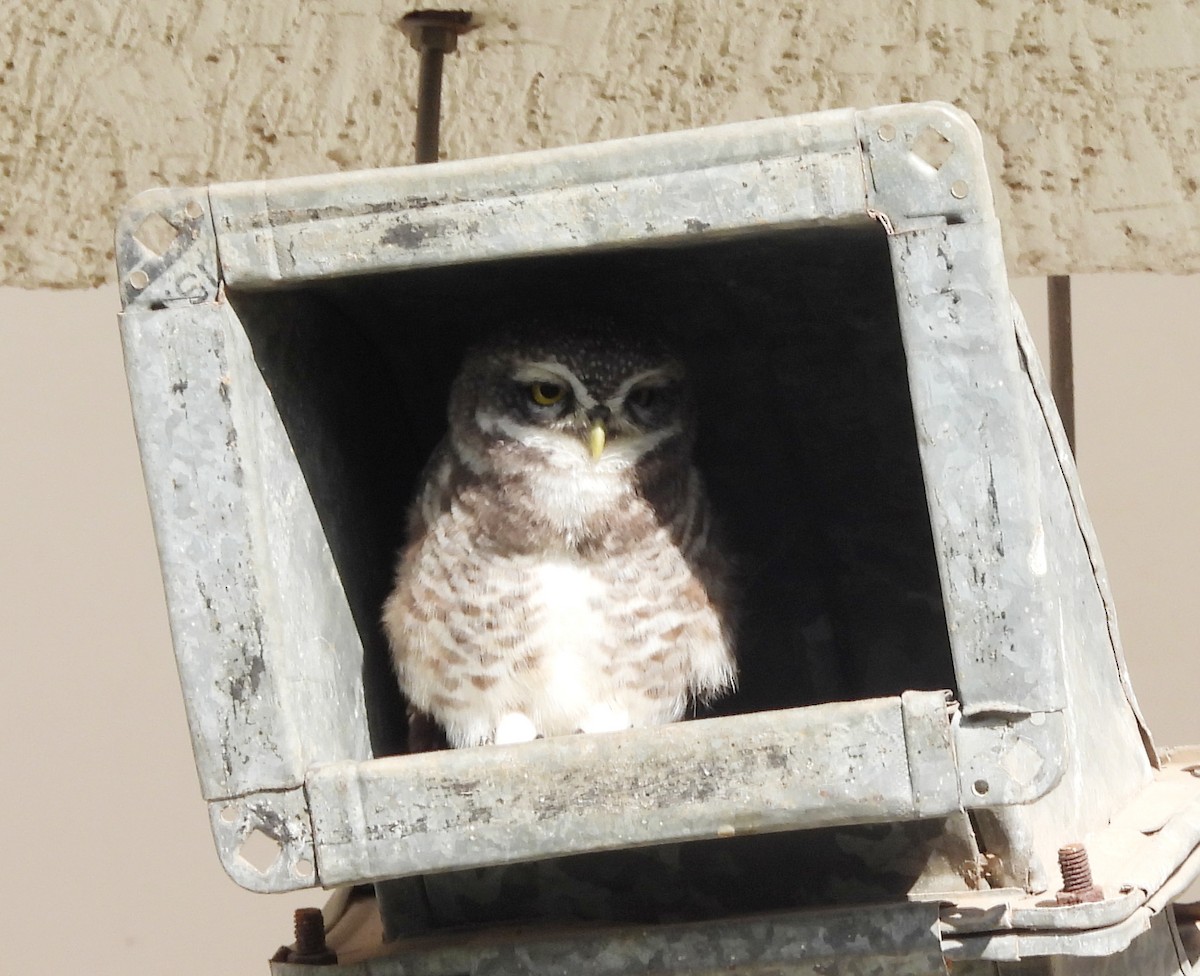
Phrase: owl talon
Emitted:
{"points": [[606, 718], [514, 727]]}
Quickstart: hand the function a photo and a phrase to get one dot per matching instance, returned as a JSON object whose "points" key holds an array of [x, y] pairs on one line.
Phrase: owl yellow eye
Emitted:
{"points": [[546, 394]]}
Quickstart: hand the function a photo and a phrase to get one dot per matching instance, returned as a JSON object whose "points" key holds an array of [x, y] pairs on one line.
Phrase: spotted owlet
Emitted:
{"points": [[559, 574]]}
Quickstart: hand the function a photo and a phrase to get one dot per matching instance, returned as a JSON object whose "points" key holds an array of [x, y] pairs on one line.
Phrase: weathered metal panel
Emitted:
{"points": [[181, 373], [981, 931], [1111, 940], [928, 185], [1082, 574], [885, 937], [725, 877], [984, 503], [268, 655], [1142, 853], [866, 761], [1140, 947], [831, 764], [888, 940], [1109, 759], [777, 172]]}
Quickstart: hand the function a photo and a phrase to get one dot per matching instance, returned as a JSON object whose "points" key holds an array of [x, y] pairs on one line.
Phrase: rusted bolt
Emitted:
{"points": [[1077, 877], [311, 949], [992, 869], [436, 29]]}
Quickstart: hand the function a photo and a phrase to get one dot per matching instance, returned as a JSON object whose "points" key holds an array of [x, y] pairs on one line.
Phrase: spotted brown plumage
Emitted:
{"points": [[561, 573]]}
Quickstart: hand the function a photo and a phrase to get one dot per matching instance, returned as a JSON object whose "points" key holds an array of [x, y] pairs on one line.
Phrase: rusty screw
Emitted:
{"points": [[1077, 877], [311, 949]]}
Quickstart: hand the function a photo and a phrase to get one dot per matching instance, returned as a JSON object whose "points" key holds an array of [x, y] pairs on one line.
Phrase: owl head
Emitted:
{"points": [[594, 399]]}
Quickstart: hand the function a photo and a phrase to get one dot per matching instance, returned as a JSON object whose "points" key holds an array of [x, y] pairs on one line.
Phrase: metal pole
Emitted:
{"points": [[429, 105], [434, 33], [1062, 365]]}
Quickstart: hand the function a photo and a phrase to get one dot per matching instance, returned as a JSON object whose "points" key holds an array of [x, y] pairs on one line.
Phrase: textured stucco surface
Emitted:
{"points": [[1090, 110]]}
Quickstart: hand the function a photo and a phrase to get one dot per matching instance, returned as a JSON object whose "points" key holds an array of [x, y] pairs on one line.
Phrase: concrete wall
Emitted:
{"points": [[1090, 108]]}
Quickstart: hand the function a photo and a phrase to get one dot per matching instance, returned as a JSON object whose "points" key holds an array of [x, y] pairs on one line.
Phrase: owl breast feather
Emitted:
{"points": [[499, 610]]}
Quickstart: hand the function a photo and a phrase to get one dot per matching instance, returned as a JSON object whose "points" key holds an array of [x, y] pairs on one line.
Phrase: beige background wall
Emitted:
{"points": [[108, 867], [1091, 105]]}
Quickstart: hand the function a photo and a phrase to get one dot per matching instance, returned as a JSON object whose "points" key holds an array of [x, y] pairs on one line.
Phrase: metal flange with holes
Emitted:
{"points": [[166, 250], [265, 840]]}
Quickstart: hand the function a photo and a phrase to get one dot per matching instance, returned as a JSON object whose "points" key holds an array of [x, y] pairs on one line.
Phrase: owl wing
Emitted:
{"points": [[456, 616]]}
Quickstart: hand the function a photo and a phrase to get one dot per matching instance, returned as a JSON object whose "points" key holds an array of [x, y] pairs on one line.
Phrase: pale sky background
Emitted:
{"points": [[109, 864]]}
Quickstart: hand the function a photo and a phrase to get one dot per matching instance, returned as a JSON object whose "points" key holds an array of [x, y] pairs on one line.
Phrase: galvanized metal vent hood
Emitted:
{"points": [[930, 645]]}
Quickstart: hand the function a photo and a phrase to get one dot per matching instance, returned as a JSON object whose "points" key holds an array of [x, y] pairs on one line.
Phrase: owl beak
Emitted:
{"points": [[597, 435]]}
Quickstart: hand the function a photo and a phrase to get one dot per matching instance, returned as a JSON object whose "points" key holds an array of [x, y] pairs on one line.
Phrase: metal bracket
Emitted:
{"points": [[924, 162], [265, 840], [167, 250], [1003, 761]]}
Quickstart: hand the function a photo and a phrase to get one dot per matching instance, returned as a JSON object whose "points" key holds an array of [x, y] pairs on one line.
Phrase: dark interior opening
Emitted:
{"points": [[806, 435], [808, 445]]}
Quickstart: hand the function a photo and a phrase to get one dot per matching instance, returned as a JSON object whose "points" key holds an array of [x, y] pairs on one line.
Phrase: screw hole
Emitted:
{"points": [[980, 787], [303, 868], [229, 814], [932, 148], [156, 234], [260, 851]]}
